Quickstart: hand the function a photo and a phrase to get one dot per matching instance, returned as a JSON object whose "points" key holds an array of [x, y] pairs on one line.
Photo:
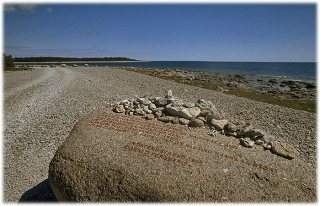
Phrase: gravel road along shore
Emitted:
{"points": [[42, 105]]}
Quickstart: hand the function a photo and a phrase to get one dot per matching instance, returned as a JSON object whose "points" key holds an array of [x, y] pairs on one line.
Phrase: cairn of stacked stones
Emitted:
{"points": [[171, 109]]}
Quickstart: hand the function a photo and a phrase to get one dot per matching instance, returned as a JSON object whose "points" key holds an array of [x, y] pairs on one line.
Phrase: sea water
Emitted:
{"points": [[296, 70]]}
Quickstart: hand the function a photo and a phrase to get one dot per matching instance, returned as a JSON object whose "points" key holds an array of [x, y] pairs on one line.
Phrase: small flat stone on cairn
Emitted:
{"points": [[184, 121], [119, 109], [160, 101], [196, 123], [219, 124], [164, 119], [149, 116], [179, 111], [188, 104], [169, 94], [247, 142], [194, 111]]}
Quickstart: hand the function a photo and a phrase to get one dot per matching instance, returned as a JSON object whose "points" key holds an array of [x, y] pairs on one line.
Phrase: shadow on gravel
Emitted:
{"points": [[39, 193]]}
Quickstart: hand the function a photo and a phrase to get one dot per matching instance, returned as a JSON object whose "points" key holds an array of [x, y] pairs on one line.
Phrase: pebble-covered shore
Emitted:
{"points": [[42, 105], [295, 88]]}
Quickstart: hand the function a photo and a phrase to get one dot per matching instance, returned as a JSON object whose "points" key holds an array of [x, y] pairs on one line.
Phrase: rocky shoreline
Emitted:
{"points": [[288, 92], [42, 105]]}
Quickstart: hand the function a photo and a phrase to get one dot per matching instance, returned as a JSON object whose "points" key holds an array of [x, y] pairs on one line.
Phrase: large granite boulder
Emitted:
{"points": [[116, 157]]}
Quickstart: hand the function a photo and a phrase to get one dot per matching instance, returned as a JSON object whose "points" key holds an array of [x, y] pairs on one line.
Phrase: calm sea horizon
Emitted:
{"points": [[296, 70]]}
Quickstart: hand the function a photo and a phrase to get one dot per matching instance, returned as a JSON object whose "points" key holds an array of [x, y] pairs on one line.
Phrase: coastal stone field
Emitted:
{"points": [[282, 91], [42, 105]]}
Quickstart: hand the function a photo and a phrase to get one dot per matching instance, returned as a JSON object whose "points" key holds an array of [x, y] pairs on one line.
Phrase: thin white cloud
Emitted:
{"points": [[27, 7], [9, 8], [49, 10], [23, 7]]}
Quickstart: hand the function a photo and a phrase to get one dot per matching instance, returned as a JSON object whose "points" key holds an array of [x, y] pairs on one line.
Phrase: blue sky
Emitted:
{"points": [[209, 32]]}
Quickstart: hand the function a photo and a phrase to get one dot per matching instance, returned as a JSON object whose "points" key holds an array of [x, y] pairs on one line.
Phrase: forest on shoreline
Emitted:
{"points": [[69, 59]]}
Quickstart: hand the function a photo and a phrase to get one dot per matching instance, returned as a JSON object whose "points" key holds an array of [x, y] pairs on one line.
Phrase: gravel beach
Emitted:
{"points": [[42, 105]]}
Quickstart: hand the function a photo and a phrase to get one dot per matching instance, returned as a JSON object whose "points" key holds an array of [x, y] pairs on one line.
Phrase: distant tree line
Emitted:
{"points": [[8, 62], [66, 59]]}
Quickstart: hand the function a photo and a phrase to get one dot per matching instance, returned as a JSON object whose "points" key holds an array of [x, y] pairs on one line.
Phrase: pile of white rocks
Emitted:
{"points": [[171, 109]]}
